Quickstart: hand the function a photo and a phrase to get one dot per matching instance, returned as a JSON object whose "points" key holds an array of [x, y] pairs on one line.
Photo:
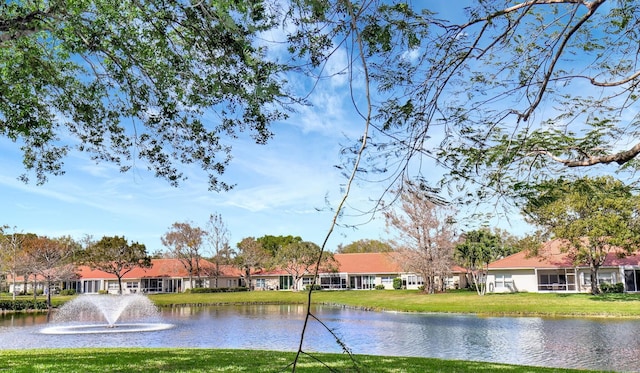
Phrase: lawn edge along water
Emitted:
{"points": [[100, 360], [461, 302]]}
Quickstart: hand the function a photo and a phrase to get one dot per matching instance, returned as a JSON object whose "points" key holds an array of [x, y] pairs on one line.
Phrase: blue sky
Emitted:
{"points": [[286, 187], [282, 188]]}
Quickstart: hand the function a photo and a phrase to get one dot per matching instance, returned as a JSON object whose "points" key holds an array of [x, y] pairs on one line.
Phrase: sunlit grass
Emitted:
{"points": [[518, 304], [214, 360]]}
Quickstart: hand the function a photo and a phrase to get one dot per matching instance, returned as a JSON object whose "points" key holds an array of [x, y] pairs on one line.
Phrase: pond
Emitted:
{"points": [[600, 344]]}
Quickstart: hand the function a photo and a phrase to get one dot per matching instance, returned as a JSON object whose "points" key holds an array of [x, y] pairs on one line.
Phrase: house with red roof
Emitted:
{"points": [[359, 271], [164, 276], [553, 270]]}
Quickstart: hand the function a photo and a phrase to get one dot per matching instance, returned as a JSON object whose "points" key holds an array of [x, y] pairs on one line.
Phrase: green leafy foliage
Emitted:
{"points": [[272, 244], [115, 255], [397, 283], [595, 217], [480, 247], [365, 246], [22, 305], [501, 95], [216, 290], [127, 80]]}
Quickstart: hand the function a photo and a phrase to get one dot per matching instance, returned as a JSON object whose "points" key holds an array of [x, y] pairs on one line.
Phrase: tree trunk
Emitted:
{"points": [[217, 272], [49, 294], [119, 285], [595, 289], [248, 277], [13, 275]]}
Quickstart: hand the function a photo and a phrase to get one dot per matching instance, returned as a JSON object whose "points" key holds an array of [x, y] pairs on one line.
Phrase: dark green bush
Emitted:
{"points": [[397, 283], [612, 288], [379, 287], [22, 305], [68, 292], [216, 290], [315, 287]]}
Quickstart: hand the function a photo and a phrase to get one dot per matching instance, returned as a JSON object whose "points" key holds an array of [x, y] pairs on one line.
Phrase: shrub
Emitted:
{"points": [[22, 305], [216, 290], [379, 287], [397, 283], [612, 288], [68, 292], [315, 287]]}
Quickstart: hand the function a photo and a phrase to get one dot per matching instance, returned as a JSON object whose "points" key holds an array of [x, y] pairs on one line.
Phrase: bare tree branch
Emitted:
{"points": [[619, 158]]}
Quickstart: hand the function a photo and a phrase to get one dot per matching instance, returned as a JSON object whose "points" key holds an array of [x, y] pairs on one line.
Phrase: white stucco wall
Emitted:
{"points": [[522, 280]]}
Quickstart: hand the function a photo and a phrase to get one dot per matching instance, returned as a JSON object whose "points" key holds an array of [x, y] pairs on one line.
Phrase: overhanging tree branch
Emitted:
{"points": [[619, 158]]}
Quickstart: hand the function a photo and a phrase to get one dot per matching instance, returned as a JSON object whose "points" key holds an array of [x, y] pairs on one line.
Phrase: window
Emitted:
{"points": [[132, 285], [607, 278], [387, 280], [261, 283], [450, 283], [307, 281], [90, 286], [412, 280], [632, 280], [285, 282], [603, 278], [333, 281], [557, 280], [503, 281], [152, 285]]}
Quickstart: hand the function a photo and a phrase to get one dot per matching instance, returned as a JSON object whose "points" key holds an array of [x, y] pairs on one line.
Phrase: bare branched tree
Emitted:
{"points": [[426, 236], [218, 238]]}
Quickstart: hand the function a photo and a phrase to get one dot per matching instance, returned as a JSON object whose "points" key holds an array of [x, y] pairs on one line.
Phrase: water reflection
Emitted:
{"points": [[572, 343]]}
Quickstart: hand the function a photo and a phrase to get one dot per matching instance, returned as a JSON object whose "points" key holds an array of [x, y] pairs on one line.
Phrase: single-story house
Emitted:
{"points": [[164, 276], [352, 271], [359, 271], [366, 270], [553, 270]]}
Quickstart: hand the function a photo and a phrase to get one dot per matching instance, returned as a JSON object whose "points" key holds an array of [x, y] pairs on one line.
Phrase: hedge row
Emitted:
{"points": [[216, 290], [22, 305]]}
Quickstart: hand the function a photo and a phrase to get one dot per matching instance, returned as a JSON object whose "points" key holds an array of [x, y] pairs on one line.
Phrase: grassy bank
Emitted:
{"points": [[207, 360], [214, 360], [519, 304]]}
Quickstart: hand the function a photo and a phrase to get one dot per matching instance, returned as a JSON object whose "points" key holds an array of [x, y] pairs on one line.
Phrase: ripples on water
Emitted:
{"points": [[571, 343]]}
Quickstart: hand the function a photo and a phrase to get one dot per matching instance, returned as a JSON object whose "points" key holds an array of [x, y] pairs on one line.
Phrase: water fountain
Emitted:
{"points": [[92, 313]]}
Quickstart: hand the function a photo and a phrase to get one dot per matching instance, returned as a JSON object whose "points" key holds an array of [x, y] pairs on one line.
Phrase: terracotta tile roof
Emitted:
{"points": [[458, 269], [367, 263], [551, 255], [373, 263], [160, 268]]}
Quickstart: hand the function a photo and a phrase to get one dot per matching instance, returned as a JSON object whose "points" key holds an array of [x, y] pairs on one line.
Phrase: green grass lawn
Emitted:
{"points": [[221, 360], [518, 304]]}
